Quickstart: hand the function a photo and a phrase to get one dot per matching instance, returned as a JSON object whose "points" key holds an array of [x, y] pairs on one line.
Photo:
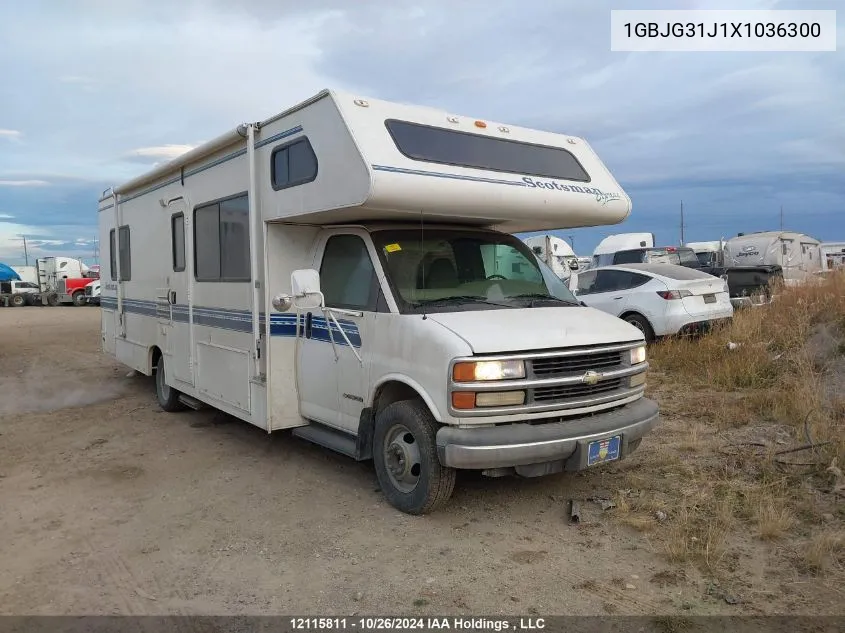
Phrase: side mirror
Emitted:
{"points": [[305, 288]]}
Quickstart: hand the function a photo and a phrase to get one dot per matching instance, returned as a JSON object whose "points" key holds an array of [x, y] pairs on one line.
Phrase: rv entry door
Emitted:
{"points": [[174, 299]]}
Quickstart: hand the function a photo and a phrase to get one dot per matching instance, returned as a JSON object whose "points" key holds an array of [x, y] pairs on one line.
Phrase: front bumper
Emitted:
{"points": [[564, 442]]}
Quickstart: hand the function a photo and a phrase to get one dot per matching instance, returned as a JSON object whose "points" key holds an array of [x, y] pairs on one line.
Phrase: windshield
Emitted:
{"points": [[448, 270], [688, 257]]}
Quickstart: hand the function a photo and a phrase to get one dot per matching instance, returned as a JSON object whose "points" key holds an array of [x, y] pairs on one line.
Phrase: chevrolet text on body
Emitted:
{"points": [[313, 286]]}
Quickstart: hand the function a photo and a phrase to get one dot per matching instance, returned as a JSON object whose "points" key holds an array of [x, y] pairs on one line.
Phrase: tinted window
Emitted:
{"points": [[451, 147], [177, 234], [112, 256], [629, 257], [293, 164], [221, 240], [122, 251], [587, 282], [347, 276], [207, 243], [234, 239]]}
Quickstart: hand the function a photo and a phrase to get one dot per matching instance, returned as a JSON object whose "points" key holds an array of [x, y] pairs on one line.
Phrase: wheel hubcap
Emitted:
{"points": [[637, 325], [402, 458]]}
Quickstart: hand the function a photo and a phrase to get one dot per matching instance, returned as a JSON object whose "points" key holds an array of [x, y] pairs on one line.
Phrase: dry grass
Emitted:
{"points": [[721, 473], [825, 550]]}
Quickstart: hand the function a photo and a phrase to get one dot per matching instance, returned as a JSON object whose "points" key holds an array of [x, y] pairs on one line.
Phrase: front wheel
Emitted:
{"points": [[79, 299], [168, 397], [642, 324], [405, 455], [18, 300]]}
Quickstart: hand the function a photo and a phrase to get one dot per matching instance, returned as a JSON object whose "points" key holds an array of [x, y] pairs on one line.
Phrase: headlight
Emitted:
{"points": [[488, 370], [638, 355]]}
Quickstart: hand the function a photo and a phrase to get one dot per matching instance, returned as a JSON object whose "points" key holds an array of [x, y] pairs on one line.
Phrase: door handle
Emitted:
{"points": [[308, 325], [617, 298], [171, 297]]}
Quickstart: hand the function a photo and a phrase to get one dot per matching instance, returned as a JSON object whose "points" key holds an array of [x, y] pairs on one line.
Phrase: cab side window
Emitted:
{"points": [[347, 277], [587, 282]]}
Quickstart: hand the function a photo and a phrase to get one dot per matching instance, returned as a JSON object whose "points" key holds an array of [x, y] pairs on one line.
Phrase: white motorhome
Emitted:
{"points": [[833, 255], [797, 254], [555, 252], [612, 244], [336, 270]]}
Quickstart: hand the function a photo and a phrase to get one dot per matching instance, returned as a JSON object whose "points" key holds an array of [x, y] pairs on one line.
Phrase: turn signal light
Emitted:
{"points": [[463, 400]]}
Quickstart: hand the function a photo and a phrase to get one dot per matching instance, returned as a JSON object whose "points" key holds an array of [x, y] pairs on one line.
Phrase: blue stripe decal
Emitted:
{"points": [[198, 170], [281, 324], [437, 174]]}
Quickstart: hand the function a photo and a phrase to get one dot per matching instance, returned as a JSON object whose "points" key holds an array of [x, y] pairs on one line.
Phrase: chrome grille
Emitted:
{"points": [[563, 365], [564, 392]]}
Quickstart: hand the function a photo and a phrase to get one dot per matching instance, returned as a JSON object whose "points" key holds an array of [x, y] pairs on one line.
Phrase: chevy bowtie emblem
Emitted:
{"points": [[591, 377]]}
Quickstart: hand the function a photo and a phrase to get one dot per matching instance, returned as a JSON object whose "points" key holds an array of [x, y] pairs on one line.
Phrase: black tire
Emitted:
{"points": [[79, 298], [642, 324], [168, 397], [18, 301], [407, 430], [52, 301]]}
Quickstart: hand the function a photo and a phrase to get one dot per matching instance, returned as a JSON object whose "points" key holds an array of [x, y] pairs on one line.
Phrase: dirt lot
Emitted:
{"points": [[108, 505]]}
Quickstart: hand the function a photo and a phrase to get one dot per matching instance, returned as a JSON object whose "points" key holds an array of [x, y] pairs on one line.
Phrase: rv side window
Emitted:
{"points": [[221, 240], [177, 235], [124, 252], [293, 164], [112, 256], [347, 277], [451, 147]]}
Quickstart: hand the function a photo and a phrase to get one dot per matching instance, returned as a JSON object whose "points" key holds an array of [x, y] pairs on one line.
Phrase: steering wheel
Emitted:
{"points": [[497, 277]]}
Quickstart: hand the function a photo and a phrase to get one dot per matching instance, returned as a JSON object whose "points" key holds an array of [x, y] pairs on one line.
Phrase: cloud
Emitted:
{"points": [[24, 183], [727, 131], [168, 152], [12, 135]]}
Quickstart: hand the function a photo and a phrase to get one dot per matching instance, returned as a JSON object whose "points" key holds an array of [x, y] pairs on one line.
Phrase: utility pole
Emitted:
{"points": [[25, 253], [781, 217], [682, 223]]}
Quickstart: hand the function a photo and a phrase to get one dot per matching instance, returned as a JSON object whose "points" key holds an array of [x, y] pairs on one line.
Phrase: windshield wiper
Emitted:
{"points": [[460, 299], [534, 296]]}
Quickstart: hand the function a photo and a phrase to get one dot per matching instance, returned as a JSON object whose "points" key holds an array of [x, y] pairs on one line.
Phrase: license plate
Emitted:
{"points": [[603, 450], [709, 298]]}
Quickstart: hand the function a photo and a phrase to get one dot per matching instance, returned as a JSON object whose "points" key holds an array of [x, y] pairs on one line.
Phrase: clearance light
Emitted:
{"points": [[488, 370], [480, 124], [637, 379], [638, 355]]}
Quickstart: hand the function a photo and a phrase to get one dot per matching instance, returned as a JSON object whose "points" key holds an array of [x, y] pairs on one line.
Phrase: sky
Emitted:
{"points": [[95, 92]]}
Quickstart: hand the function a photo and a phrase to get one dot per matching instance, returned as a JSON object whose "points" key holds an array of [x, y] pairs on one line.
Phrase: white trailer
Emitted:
{"points": [[345, 270], [609, 246], [555, 252], [27, 273], [797, 254], [833, 255]]}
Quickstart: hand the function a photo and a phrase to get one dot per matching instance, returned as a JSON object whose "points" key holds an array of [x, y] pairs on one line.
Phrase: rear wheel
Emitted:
{"points": [[18, 300], [642, 324], [52, 300], [168, 397], [405, 455], [78, 298]]}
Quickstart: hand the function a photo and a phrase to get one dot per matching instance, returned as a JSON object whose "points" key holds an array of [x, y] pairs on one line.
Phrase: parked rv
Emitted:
{"points": [[833, 255], [604, 253], [556, 253], [312, 286], [798, 255]]}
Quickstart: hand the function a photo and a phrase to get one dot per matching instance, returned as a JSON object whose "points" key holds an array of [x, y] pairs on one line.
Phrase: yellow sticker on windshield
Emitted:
{"points": [[392, 248]]}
